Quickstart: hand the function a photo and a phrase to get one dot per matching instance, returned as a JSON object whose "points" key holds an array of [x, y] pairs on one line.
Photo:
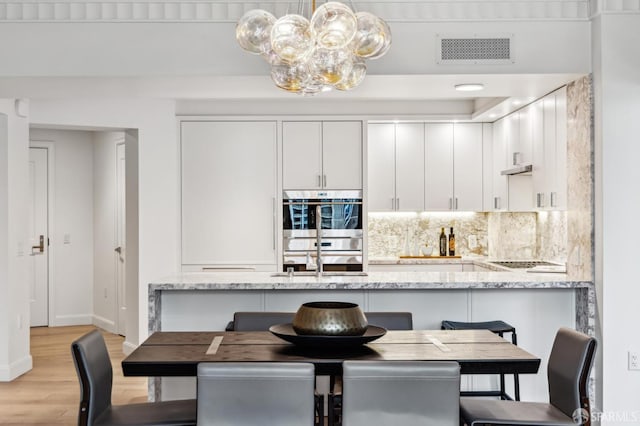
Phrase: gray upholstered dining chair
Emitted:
{"points": [[255, 393], [393, 320], [258, 321], [261, 321], [568, 370], [401, 393], [95, 374]]}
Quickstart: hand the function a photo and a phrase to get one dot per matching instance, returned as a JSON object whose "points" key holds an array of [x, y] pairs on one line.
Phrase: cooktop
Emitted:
{"points": [[522, 264]]}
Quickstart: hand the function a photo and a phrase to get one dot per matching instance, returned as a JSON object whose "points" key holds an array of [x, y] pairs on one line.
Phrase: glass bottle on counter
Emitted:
{"points": [[452, 243], [443, 243]]}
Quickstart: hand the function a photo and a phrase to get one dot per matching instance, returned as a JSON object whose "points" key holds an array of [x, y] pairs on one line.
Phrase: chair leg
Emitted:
{"points": [[319, 410], [330, 410], [516, 378]]}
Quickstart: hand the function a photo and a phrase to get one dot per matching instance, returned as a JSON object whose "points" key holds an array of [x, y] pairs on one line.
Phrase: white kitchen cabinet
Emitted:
{"points": [[453, 161], [520, 143], [229, 181], [499, 182], [550, 152], [519, 187], [322, 154], [396, 166], [467, 167]]}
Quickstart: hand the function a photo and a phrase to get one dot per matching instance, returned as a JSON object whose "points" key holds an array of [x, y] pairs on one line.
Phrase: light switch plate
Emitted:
{"points": [[634, 360]]}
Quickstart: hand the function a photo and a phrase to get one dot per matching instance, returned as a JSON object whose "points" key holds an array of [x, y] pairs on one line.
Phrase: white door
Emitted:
{"points": [[302, 155], [381, 167], [342, 154], [120, 240], [467, 166], [38, 237], [439, 166], [410, 167]]}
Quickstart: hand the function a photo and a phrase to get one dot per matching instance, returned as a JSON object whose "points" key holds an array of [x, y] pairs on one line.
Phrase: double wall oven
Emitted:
{"points": [[325, 223]]}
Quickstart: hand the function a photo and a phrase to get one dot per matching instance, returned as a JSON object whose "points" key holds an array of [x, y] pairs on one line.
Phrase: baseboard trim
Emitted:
{"points": [[128, 347], [8, 372], [63, 320], [104, 323]]}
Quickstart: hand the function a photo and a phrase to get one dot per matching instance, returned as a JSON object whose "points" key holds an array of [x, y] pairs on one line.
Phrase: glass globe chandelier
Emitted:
{"points": [[308, 56]]}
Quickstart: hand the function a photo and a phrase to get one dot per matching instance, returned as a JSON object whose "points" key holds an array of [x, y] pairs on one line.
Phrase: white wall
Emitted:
{"points": [[617, 85], [105, 309], [157, 169], [14, 299], [209, 48], [71, 278]]}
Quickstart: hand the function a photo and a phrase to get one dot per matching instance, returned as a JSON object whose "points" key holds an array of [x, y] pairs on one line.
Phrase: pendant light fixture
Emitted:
{"points": [[308, 56]]}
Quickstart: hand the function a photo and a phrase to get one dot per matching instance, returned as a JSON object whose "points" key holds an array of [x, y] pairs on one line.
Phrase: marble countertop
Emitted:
{"points": [[373, 280]]}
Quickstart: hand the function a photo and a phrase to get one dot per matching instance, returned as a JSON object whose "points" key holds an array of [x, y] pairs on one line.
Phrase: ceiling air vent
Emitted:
{"points": [[474, 50]]}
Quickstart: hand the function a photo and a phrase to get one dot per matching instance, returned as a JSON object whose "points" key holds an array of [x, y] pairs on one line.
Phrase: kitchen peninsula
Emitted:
{"points": [[536, 304]]}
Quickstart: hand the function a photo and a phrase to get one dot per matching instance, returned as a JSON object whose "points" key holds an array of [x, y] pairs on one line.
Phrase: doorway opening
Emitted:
{"points": [[79, 276]]}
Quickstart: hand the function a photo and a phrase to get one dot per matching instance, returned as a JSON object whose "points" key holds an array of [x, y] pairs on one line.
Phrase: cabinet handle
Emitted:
{"points": [[397, 203], [496, 203], [393, 203], [319, 181], [324, 181], [537, 199], [552, 200], [456, 203], [450, 203]]}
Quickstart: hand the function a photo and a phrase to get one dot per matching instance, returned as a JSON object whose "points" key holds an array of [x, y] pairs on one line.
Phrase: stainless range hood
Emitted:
{"points": [[518, 166], [519, 169]]}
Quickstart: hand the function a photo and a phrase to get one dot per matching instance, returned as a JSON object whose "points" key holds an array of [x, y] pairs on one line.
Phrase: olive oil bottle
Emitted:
{"points": [[443, 243], [452, 243]]}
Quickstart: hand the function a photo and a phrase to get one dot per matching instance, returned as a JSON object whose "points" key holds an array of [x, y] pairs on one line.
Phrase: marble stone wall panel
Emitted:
{"points": [[551, 236], [580, 179], [512, 236]]}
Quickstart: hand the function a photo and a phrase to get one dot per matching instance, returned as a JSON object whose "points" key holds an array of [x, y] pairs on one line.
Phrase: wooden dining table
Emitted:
{"points": [[177, 353]]}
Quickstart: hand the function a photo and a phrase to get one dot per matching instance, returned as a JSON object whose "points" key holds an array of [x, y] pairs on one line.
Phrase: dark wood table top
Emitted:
{"points": [[178, 353]]}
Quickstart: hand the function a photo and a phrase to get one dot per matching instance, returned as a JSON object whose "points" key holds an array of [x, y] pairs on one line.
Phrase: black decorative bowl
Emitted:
{"points": [[330, 319], [286, 332]]}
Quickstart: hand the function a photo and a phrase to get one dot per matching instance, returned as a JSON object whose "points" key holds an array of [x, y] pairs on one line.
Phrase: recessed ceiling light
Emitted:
{"points": [[516, 102], [493, 115], [469, 87]]}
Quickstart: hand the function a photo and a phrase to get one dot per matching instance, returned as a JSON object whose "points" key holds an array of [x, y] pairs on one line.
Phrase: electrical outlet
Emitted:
{"points": [[634, 360], [473, 242]]}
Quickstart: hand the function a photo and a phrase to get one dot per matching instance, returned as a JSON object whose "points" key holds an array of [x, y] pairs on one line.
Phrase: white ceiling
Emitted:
{"points": [[497, 98]]}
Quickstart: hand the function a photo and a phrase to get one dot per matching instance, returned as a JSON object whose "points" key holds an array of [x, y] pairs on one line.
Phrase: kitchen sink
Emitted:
{"points": [[324, 274]]}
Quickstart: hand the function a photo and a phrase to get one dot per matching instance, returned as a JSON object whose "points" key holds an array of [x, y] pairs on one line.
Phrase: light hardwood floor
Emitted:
{"points": [[49, 394]]}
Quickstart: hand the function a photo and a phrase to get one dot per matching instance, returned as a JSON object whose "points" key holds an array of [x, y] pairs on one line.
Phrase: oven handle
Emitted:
{"points": [[322, 203]]}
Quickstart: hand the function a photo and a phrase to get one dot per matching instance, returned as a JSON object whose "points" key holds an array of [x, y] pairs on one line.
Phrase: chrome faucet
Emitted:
{"points": [[318, 241]]}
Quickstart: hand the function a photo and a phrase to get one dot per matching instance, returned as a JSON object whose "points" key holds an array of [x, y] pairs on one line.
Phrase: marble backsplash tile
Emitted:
{"points": [[515, 236], [395, 234]]}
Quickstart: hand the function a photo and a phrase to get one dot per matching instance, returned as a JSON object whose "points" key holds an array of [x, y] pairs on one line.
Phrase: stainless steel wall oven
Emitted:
{"points": [[322, 230]]}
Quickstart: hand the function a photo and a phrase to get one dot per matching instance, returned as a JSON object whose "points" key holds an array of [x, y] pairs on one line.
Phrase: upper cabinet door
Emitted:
{"points": [[302, 155], [228, 171], [499, 200], [409, 167], [467, 166], [381, 167], [439, 166], [342, 155]]}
